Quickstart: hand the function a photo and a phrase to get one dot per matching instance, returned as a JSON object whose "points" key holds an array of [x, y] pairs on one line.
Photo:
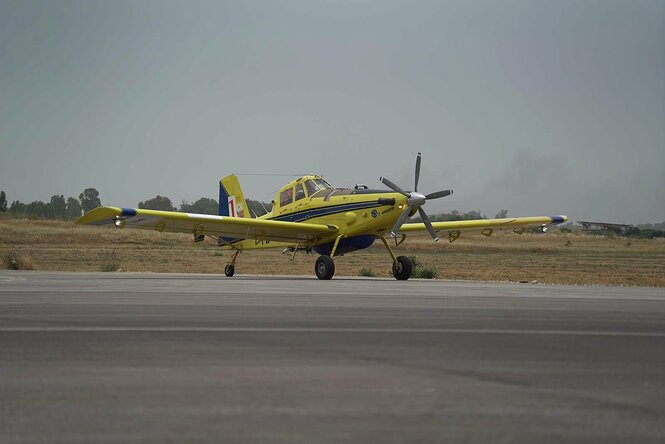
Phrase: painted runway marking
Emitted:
{"points": [[330, 330], [11, 279]]}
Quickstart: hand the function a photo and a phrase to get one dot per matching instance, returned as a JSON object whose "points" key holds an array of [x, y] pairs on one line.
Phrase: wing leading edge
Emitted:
{"points": [[231, 228]]}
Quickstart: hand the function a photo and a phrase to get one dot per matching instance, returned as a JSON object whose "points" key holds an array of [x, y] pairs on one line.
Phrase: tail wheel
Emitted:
{"points": [[229, 270], [324, 268], [402, 268]]}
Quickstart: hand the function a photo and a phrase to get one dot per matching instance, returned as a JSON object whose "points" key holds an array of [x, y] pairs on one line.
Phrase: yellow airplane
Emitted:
{"points": [[309, 214]]}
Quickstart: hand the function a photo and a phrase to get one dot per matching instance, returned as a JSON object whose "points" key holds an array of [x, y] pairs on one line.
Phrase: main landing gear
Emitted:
{"points": [[324, 268], [325, 265], [230, 269], [402, 265], [402, 268]]}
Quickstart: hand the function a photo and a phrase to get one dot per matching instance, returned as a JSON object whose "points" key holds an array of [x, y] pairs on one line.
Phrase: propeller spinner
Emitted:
{"points": [[415, 200]]}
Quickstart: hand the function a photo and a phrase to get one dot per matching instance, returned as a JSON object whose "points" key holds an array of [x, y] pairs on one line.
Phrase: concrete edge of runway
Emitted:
{"points": [[4, 274]]}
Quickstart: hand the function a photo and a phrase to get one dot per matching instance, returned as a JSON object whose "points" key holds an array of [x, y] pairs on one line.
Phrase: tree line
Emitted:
{"points": [[641, 231], [71, 208], [204, 205], [57, 207]]}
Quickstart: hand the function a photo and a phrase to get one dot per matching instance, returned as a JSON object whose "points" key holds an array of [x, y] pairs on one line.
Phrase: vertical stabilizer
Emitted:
{"points": [[231, 200]]}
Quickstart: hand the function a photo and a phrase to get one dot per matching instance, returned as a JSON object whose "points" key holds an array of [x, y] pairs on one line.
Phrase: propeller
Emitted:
{"points": [[415, 200]]}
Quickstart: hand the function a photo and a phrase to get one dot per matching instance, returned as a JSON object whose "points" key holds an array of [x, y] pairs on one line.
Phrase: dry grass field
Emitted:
{"points": [[546, 258]]}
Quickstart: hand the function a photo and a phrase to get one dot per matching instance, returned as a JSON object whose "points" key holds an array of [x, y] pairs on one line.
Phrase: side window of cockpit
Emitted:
{"points": [[300, 192], [286, 197], [311, 187]]}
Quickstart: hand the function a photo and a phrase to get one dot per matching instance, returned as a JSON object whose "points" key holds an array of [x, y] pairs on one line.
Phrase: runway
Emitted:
{"points": [[118, 357]]}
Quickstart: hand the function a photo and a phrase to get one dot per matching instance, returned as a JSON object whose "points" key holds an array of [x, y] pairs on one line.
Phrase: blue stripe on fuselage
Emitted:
{"points": [[299, 216]]}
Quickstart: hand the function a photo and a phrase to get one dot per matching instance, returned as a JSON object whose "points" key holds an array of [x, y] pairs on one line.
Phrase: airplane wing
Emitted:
{"points": [[228, 229], [486, 226]]}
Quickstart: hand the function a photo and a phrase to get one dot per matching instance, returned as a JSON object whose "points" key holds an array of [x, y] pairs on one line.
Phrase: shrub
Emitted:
{"points": [[15, 260], [109, 261], [427, 273], [422, 271], [366, 272]]}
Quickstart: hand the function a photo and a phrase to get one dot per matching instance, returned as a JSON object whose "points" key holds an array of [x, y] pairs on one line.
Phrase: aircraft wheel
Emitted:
{"points": [[324, 268], [403, 268], [229, 270]]}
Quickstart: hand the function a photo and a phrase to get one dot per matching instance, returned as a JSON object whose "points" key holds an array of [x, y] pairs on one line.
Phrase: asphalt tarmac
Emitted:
{"points": [[123, 357]]}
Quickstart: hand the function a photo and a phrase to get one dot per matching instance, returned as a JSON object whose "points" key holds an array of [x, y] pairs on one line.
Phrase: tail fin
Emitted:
{"points": [[231, 200]]}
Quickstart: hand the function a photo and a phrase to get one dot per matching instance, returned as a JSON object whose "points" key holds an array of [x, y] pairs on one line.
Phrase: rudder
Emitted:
{"points": [[231, 200]]}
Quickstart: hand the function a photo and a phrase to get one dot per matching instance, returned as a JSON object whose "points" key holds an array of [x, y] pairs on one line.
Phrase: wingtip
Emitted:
{"points": [[99, 214]]}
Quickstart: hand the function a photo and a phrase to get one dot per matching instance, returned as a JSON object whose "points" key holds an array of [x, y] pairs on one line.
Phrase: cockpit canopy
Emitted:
{"points": [[306, 186]]}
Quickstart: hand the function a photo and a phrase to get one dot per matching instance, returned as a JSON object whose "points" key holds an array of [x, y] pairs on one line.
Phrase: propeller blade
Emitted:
{"points": [[393, 186], [439, 194], [401, 220], [428, 224], [415, 188]]}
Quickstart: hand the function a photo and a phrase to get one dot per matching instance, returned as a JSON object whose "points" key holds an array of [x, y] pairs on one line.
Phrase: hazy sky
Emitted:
{"points": [[539, 107]]}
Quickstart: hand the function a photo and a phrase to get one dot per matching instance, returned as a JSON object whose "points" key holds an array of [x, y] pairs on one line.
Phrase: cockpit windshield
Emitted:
{"points": [[315, 185], [322, 184]]}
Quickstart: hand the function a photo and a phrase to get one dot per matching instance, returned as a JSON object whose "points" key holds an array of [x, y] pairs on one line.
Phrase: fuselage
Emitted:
{"points": [[361, 214]]}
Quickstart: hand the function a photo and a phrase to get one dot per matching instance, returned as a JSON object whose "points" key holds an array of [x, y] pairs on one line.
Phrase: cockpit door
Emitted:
{"points": [[299, 198], [285, 200]]}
